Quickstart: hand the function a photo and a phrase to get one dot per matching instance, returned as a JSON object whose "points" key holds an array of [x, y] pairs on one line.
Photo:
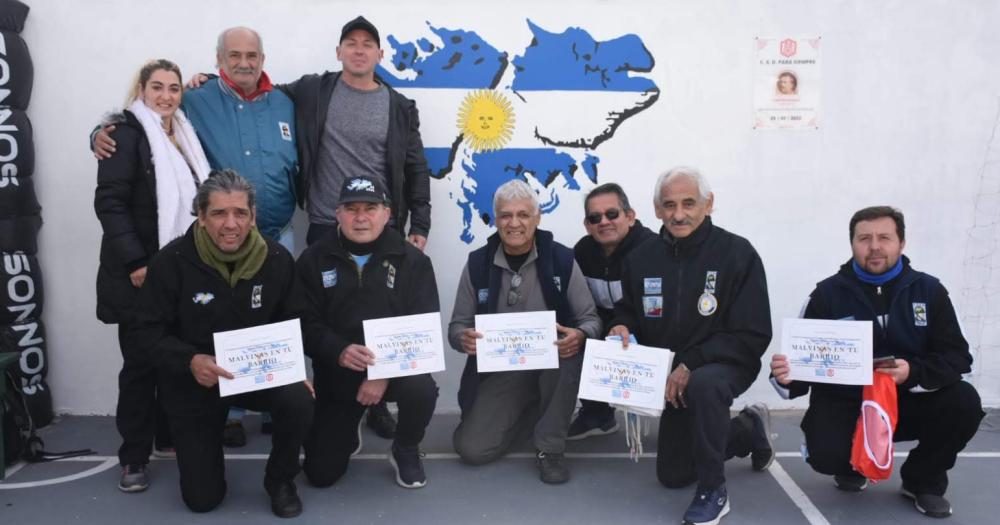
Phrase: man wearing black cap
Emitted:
{"points": [[349, 124], [362, 270]]}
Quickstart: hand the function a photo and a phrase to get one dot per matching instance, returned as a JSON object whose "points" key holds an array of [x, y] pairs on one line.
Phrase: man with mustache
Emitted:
{"points": [[521, 269], [701, 292], [914, 323], [612, 233]]}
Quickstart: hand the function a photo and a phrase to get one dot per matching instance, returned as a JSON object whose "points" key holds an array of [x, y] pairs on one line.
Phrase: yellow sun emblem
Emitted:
{"points": [[486, 119]]}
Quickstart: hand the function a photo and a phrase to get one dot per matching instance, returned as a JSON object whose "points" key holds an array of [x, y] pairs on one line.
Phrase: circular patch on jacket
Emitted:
{"points": [[707, 304]]}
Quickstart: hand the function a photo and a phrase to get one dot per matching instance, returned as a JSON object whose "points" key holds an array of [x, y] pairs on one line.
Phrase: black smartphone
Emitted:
{"points": [[884, 362]]}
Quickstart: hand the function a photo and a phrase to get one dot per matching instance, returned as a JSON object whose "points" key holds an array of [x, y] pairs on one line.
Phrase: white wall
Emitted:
{"points": [[909, 108]]}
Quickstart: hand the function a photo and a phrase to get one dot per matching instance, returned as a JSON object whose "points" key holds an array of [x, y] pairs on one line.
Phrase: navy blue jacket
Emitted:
{"points": [[920, 326]]}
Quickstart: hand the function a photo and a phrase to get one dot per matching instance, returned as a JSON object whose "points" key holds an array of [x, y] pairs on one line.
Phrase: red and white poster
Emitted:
{"points": [[787, 84]]}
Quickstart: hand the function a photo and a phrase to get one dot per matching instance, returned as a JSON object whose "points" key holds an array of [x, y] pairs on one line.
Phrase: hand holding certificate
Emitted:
{"points": [[822, 351], [516, 341], [260, 357], [635, 376], [404, 346]]}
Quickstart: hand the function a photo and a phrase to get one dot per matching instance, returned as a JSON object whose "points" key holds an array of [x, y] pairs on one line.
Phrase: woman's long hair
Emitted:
{"points": [[146, 71]]}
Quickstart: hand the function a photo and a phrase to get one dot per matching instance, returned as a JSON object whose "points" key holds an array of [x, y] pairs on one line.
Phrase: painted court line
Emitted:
{"points": [[799, 498], [779, 473]]}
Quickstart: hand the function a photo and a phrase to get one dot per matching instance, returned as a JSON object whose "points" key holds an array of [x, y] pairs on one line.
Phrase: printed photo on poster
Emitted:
{"points": [[787, 85]]}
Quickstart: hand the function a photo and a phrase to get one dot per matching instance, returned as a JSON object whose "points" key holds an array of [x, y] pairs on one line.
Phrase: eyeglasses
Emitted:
{"points": [[514, 295], [595, 218]]}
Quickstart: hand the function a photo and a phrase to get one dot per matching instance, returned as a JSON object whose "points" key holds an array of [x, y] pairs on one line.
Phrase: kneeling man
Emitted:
{"points": [[521, 269], [221, 275], [363, 270], [914, 322]]}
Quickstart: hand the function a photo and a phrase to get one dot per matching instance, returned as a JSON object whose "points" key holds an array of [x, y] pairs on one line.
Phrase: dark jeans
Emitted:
{"points": [[942, 421], [198, 439], [334, 434], [139, 415], [694, 442]]}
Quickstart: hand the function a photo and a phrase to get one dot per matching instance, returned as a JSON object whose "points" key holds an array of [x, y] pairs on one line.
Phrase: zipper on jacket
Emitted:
{"points": [[680, 284]]}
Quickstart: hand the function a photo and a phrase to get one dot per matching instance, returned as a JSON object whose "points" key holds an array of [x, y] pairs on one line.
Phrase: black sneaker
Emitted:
{"points": [[552, 467], [928, 504], [585, 426], [285, 502], [408, 466], [851, 482], [380, 420], [135, 478], [762, 447], [233, 435]]}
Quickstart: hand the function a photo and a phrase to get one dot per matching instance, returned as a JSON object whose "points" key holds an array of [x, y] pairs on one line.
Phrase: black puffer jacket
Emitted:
{"points": [[125, 202]]}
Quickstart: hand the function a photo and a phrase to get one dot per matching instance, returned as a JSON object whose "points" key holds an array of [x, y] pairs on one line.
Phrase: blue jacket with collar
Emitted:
{"points": [[254, 137]]}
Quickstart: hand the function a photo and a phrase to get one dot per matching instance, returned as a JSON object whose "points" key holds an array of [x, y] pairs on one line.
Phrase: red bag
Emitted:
{"points": [[872, 448]]}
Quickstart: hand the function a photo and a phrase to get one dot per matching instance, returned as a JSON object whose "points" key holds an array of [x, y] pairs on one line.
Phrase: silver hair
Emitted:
{"points": [[220, 45], [226, 181], [678, 172], [512, 190]]}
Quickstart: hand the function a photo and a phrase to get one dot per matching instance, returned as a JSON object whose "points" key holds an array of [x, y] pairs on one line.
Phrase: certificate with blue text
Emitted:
{"points": [[823, 351], [516, 341], [260, 357], [635, 376], [405, 346]]}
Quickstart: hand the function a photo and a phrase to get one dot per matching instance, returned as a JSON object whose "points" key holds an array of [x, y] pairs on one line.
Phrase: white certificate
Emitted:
{"points": [[516, 341], [405, 346], [260, 357], [634, 376], [822, 351]]}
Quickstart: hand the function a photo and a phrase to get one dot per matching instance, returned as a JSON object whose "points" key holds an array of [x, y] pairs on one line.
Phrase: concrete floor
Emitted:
{"points": [[606, 486]]}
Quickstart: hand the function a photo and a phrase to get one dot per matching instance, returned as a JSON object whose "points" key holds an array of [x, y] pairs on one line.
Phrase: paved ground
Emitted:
{"points": [[606, 486]]}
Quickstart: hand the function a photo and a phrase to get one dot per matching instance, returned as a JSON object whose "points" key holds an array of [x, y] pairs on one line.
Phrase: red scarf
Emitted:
{"points": [[263, 86]]}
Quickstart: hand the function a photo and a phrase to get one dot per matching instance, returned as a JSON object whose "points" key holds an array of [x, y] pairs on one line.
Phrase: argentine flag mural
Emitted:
{"points": [[541, 115]]}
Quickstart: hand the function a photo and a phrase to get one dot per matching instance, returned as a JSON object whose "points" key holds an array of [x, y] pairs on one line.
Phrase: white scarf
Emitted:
{"points": [[175, 188]]}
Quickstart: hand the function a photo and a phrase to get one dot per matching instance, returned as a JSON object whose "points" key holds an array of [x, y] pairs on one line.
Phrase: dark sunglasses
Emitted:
{"points": [[513, 296], [595, 218]]}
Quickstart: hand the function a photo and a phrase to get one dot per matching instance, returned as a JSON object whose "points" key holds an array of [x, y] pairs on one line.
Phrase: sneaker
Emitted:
{"points": [[233, 435], [850, 482], [762, 447], [928, 504], [285, 502], [408, 466], [380, 420], [165, 452], [135, 478], [585, 426], [552, 467], [357, 449], [708, 507]]}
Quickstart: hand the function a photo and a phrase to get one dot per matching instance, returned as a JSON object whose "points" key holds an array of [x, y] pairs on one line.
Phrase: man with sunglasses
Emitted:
{"points": [[701, 292], [521, 269], [612, 233]]}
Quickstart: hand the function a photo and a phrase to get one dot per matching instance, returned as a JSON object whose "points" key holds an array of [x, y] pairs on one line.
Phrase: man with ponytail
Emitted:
{"points": [[221, 275]]}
